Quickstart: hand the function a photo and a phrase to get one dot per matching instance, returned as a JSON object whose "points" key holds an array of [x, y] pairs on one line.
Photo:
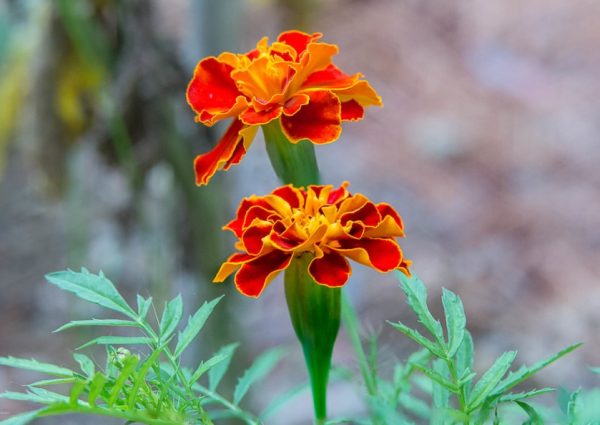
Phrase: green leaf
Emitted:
{"points": [[436, 377], [139, 379], [34, 365], [86, 364], [117, 340], [534, 417], [525, 372], [96, 387], [490, 380], [441, 395], [216, 373], [456, 320], [96, 289], [416, 294], [205, 366], [171, 317], [21, 419], [128, 368], [143, 306], [464, 354], [595, 370], [76, 389], [194, 325], [57, 381], [524, 395], [419, 339], [97, 322], [259, 369]]}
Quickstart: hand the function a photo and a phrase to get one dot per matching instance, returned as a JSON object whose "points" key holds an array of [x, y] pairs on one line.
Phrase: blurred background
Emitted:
{"points": [[488, 145]]}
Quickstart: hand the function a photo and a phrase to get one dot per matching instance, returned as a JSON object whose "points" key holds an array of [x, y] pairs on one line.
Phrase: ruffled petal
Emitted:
{"points": [[362, 93], [352, 111], [254, 117], [212, 93], [390, 226], [383, 255], [331, 270], [293, 104], [367, 214], [331, 77], [298, 39], [318, 121], [254, 276], [233, 263], [252, 238], [230, 150], [289, 194]]}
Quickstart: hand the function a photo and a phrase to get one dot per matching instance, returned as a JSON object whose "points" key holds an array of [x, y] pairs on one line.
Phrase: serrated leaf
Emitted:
{"points": [[118, 340], [436, 377], [456, 320], [143, 306], [34, 365], [419, 339], [205, 366], [194, 325], [441, 395], [21, 419], [97, 322], [96, 289], [416, 294], [216, 373], [57, 381], [76, 389], [86, 364], [525, 372], [171, 317], [96, 387], [490, 379], [464, 354], [524, 395], [534, 417], [128, 367], [259, 369], [141, 375]]}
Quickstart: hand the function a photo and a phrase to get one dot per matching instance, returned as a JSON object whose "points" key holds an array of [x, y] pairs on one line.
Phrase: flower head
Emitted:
{"points": [[292, 80], [329, 223]]}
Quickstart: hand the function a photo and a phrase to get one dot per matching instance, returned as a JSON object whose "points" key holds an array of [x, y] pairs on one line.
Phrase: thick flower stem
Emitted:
{"points": [[314, 309], [315, 313], [293, 163]]}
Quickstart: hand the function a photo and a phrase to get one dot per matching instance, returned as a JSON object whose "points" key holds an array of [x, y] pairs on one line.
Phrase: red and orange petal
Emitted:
{"points": [[212, 91], [332, 270], [230, 150], [254, 276], [319, 120]]}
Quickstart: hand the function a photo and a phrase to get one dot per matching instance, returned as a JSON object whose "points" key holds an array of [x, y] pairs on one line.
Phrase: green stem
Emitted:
{"points": [[315, 314], [293, 163]]}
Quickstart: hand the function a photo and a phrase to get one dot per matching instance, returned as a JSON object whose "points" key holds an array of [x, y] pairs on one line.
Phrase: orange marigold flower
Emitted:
{"points": [[292, 79], [329, 223]]}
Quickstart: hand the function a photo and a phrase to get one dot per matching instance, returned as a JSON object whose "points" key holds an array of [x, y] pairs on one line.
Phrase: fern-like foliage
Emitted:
{"points": [[437, 384], [154, 388]]}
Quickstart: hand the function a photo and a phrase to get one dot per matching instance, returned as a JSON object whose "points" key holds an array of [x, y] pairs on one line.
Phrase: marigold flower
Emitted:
{"points": [[329, 223], [292, 79]]}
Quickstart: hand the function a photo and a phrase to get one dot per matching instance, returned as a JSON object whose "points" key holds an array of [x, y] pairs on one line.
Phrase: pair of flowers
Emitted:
{"points": [[293, 82]]}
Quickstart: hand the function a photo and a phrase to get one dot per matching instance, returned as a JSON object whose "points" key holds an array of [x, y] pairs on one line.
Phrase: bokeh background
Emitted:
{"points": [[488, 145]]}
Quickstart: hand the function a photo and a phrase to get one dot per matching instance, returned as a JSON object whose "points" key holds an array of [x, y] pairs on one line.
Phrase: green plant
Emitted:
{"points": [[438, 384], [152, 388]]}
